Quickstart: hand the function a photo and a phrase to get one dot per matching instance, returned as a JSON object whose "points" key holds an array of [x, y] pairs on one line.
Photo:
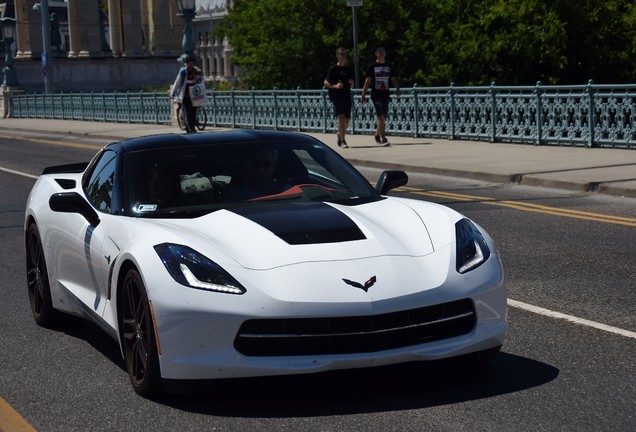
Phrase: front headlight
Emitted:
{"points": [[472, 249], [190, 268]]}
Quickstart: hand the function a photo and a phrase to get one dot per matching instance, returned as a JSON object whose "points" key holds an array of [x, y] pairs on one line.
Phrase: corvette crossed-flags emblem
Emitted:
{"points": [[368, 284]]}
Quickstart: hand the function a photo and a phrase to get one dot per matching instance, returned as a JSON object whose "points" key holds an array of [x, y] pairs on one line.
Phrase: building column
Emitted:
{"points": [[177, 29], [227, 58], [132, 29], [28, 31], [161, 43], [114, 27], [216, 60], [205, 57], [84, 29]]}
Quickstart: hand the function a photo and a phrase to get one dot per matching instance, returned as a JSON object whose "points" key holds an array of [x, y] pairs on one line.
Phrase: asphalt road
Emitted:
{"points": [[568, 257]]}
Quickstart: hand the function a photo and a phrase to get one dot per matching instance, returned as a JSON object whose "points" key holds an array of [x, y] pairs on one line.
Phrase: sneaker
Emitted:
{"points": [[342, 143], [384, 141], [377, 139]]}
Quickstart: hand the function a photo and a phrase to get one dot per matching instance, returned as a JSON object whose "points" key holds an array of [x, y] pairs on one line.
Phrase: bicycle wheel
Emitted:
{"points": [[202, 118], [181, 120]]}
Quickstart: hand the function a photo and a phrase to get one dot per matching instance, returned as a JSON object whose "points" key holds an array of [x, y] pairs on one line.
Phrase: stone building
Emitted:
{"points": [[113, 45], [215, 53]]}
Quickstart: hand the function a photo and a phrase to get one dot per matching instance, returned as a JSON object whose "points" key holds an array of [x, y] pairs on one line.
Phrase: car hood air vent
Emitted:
{"points": [[66, 183]]}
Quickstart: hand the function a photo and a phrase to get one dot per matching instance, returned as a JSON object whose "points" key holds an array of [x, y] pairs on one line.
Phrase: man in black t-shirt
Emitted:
{"points": [[380, 76], [339, 81]]}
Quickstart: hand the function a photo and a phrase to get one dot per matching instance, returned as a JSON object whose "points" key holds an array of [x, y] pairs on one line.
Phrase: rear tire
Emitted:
{"points": [[137, 334], [181, 120], [38, 281]]}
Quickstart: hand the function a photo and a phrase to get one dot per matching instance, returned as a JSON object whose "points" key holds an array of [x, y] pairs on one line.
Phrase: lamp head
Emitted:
{"points": [[186, 7], [7, 27]]}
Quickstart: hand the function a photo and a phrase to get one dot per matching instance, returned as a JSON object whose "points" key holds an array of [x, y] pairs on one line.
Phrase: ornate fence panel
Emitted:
{"points": [[243, 110], [473, 112], [430, 112], [565, 116], [222, 109], [312, 112], [516, 115], [140, 107], [287, 110], [264, 109], [586, 115], [614, 112]]}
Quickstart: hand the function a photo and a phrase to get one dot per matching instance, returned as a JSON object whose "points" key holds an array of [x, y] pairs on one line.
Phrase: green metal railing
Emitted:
{"points": [[141, 107], [589, 115]]}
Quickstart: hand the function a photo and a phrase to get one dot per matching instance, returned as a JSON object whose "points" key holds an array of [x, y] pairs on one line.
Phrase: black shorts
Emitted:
{"points": [[381, 103], [342, 106]]}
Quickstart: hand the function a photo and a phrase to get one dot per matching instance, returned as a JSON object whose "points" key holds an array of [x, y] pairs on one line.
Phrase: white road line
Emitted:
{"points": [[20, 173], [570, 318]]}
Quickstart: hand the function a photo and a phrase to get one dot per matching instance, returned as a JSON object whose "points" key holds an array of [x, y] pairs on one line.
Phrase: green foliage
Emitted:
{"points": [[285, 43], [291, 43]]}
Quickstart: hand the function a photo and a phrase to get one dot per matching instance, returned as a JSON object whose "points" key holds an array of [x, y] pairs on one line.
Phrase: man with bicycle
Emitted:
{"points": [[188, 76]]}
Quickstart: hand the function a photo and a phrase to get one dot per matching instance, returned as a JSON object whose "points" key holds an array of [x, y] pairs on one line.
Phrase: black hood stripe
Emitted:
{"points": [[302, 223]]}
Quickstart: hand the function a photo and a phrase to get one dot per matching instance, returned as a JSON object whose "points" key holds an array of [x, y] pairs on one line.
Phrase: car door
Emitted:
{"points": [[77, 247]]}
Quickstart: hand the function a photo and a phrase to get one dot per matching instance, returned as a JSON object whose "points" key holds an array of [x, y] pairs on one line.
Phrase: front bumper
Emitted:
{"points": [[197, 330]]}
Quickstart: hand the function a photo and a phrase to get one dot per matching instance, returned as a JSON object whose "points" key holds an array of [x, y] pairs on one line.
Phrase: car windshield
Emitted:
{"points": [[189, 181]]}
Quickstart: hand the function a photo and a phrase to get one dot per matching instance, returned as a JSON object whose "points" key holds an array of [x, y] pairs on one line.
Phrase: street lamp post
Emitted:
{"points": [[7, 28], [47, 59], [355, 4], [187, 12], [356, 60]]}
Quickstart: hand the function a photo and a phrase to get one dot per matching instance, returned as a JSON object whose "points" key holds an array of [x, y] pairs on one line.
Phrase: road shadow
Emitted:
{"points": [[387, 388], [393, 144], [80, 328]]}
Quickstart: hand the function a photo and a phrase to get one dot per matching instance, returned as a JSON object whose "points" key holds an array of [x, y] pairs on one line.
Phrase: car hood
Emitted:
{"points": [[265, 236]]}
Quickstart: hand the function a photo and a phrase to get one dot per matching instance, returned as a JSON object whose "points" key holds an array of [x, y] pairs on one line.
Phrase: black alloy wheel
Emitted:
{"points": [[138, 336], [38, 281], [202, 118], [181, 117]]}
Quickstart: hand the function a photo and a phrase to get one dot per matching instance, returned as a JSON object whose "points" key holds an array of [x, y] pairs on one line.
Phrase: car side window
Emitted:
{"points": [[99, 188]]}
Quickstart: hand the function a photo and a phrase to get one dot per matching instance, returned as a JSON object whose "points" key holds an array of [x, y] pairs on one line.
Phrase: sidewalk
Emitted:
{"points": [[606, 171]]}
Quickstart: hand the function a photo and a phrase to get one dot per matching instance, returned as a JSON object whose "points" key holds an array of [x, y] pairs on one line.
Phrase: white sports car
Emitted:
{"points": [[253, 253]]}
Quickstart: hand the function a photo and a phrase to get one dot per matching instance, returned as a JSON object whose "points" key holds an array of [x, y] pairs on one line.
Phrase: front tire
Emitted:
{"points": [[138, 337], [38, 281], [202, 118]]}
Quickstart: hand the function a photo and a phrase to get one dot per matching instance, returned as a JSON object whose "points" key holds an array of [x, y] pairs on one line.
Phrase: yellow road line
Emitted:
{"points": [[529, 207], [11, 420]]}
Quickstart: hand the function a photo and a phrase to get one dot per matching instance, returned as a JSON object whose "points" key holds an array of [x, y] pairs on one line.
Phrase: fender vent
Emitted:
{"points": [[66, 183]]}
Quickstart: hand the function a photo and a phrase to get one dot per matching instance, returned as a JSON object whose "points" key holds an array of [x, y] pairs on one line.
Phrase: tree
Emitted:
{"points": [[286, 43], [600, 36], [511, 42], [291, 43]]}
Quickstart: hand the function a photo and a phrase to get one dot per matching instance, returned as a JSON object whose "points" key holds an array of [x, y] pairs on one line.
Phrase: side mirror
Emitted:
{"points": [[72, 202], [391, 179]]}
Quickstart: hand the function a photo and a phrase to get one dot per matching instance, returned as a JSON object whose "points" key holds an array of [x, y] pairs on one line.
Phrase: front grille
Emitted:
{"points": [[356, 334]]}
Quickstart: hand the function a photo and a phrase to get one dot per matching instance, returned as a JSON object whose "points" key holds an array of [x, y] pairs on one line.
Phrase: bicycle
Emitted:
{"points": [[202, 118]]}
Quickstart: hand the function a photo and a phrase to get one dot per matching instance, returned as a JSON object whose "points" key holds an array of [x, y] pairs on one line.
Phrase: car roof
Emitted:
{"points": [[204, 139]]}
